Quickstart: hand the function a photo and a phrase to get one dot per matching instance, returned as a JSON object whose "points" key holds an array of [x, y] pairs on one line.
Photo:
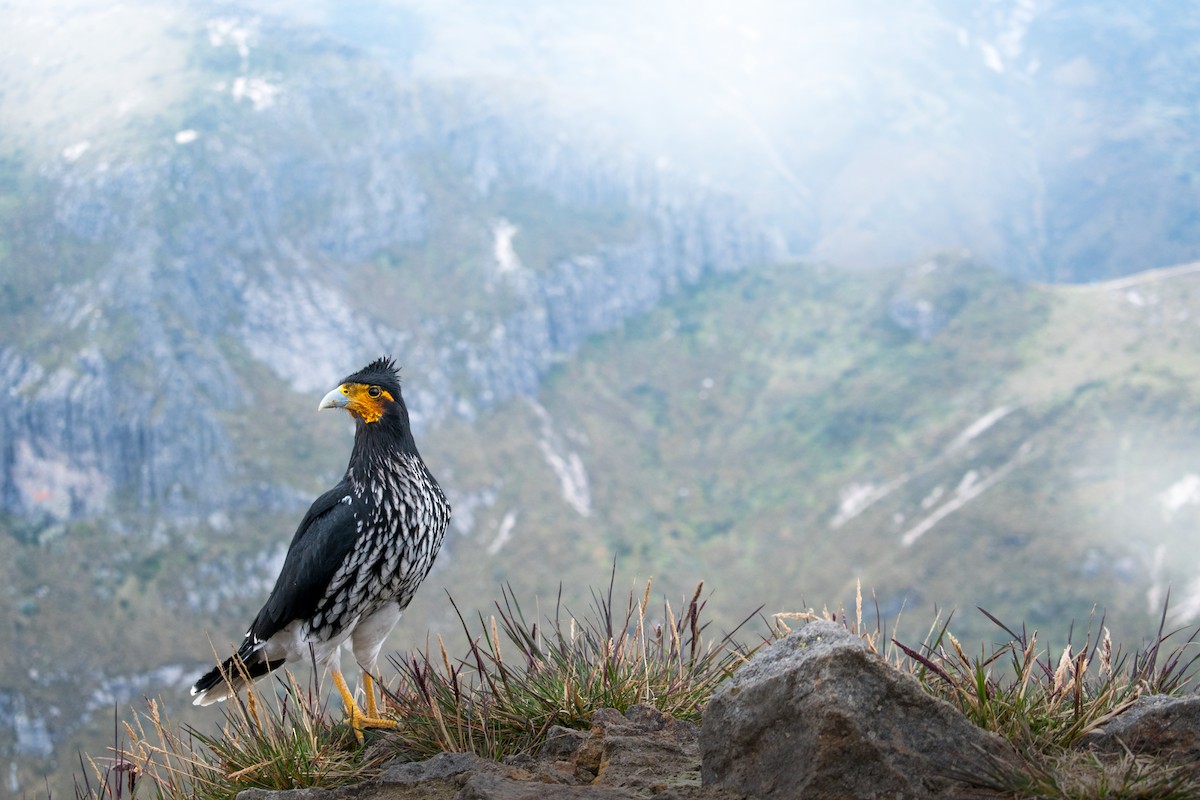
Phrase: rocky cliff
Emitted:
{"points": [[334, 215]]}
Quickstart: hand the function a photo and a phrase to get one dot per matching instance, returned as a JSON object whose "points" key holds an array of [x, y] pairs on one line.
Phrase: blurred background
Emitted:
{"points": [[778, 296]]}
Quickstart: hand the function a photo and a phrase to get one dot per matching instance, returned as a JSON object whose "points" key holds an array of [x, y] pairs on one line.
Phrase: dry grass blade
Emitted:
{"points": [[116, 777]]}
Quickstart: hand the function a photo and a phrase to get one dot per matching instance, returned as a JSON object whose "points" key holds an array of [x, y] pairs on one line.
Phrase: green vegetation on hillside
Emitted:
{"points": [[1018, 455]]}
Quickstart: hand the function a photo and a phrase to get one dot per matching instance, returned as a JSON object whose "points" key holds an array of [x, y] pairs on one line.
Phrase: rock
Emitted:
{"points": [[286, 794], [1156, 725], [561, 742], [442, 767], [817, 715], [643, 753], [491, 787], [442, 777], [644, 749]]}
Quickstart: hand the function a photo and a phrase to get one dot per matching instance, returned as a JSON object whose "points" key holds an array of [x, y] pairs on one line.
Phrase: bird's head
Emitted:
{"points": [[370, 393]]}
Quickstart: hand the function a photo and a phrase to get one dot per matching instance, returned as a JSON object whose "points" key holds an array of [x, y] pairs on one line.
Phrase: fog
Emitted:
{"points": [[1052, 139], [869, 133], [808, 111]]}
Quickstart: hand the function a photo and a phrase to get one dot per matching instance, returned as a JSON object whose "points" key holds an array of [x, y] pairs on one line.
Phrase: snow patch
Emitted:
{"points": [[858, 497], [567, 465], [979, 426], [1011, 39], [1184, 492], [505, 256], [503, 532], [991, 57], [259, 92], [970, 487], [853, 499], [930, 500], [230, 30], [968, 483], [73, 152]]}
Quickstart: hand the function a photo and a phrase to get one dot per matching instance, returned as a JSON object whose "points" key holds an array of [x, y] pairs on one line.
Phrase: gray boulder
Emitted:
{"points": [[817, 715], [1156, 725]]}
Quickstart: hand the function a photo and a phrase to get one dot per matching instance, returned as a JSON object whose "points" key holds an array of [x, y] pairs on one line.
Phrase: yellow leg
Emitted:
{"points": [[369, 690], [359, 720]]}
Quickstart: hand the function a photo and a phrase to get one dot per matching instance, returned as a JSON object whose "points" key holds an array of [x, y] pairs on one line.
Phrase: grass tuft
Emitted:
{"points": [[522, 677], [281, 740], [1042, 702], [115, 778]]}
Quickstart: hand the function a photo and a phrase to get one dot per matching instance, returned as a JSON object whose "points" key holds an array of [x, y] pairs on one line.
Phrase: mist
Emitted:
{"points": [[1052, 139]]}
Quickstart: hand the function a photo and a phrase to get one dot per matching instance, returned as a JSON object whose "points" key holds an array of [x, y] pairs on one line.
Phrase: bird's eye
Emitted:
{"points": [[373, 391]]}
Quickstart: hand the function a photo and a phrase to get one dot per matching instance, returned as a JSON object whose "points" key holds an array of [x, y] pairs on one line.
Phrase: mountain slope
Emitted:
{"points": [[945, 436]]}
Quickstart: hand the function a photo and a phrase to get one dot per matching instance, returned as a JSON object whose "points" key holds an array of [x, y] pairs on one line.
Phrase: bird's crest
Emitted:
{"points": [[384, 364], [381, 370]]}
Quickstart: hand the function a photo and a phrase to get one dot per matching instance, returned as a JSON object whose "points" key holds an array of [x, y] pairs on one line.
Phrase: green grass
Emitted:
{"points": [[524, 674]]}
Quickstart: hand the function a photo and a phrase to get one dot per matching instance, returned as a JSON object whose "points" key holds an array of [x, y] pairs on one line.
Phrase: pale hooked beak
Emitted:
{"points": [[335, 399]]}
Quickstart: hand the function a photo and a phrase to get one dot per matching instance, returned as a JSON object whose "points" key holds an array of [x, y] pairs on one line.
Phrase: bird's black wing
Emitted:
{"points": [[324, 538]]}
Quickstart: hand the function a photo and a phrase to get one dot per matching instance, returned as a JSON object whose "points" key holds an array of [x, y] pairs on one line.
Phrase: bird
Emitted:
{"points": [[356, 558]]}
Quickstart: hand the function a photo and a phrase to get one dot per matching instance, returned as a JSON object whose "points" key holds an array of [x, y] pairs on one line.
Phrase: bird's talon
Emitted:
{"points": [[370, 722], [360, 722]]}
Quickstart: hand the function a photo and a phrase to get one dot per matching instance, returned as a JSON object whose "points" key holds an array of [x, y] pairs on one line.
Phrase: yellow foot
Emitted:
{"points": [[359, 720]]}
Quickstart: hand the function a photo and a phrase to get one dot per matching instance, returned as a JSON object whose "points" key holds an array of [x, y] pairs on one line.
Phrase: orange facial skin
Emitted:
{"points": [[366, 402]]}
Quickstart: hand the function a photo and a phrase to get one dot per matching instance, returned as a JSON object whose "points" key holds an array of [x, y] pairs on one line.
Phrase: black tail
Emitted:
{"points": [[223, 681]]}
